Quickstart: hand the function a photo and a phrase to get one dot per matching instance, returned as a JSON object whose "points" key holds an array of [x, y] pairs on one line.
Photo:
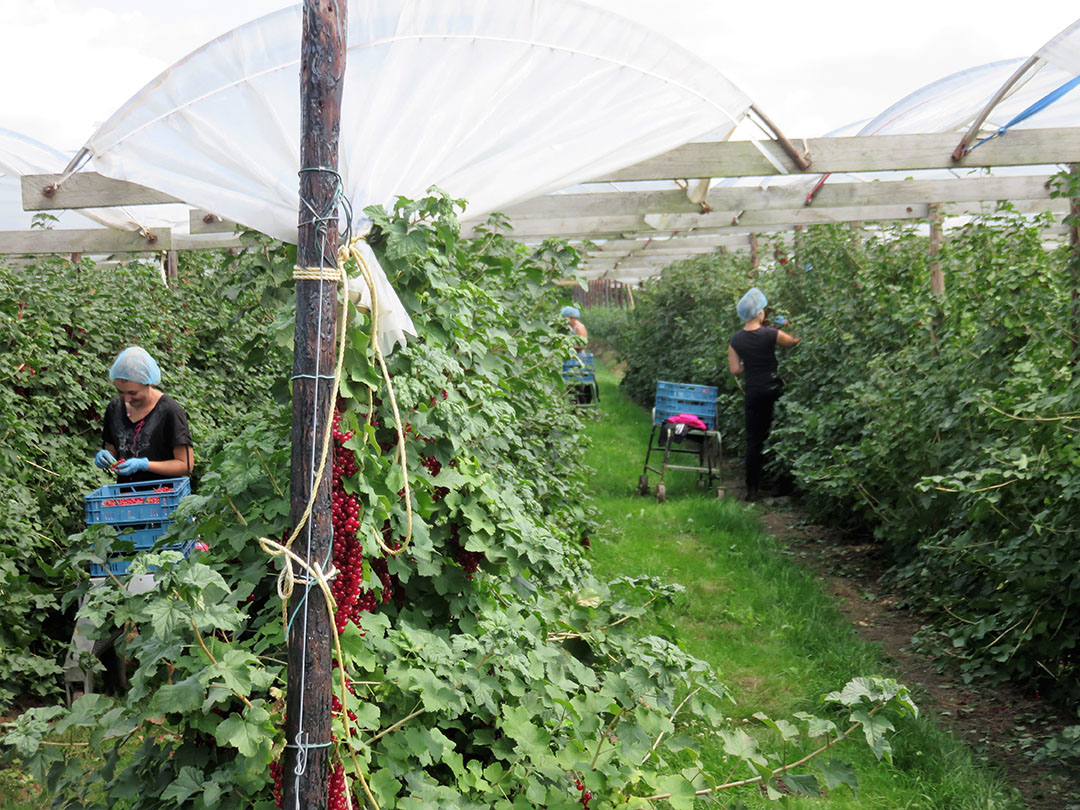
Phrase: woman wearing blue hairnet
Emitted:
{"points": [[752, 353], [146, 435], [577, 328]]}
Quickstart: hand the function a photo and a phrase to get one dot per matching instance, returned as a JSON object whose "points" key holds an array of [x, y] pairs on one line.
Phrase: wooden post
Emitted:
{"points": [[937, 275], [322, 73], [171, 265], [1074, 257], [755, 258]]}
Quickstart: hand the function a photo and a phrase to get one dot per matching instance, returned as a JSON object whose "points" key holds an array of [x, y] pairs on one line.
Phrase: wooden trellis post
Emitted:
{"points": [[937, 275], [1074, 246], [308, 712]]}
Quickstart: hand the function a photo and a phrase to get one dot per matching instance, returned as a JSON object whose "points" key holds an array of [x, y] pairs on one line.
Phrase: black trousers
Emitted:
{"points": [[759, 407]]}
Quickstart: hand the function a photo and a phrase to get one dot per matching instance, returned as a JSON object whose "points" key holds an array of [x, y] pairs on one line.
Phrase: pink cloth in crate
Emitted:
{"points": [[690, 420]]}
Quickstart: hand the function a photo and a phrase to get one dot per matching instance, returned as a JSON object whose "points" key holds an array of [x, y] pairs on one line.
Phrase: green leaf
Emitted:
{"points": [[247, 733], [167, 614], [739, 744], [681, 790], [805, 784], [385, 787], [189, 782], [184, 696], [234, 669], [836, 772], [874, 729], [785, 729], [817, 726]]}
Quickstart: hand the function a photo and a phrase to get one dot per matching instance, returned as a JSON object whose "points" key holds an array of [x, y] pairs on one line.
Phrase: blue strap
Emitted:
{"points": [[1038, 106]]}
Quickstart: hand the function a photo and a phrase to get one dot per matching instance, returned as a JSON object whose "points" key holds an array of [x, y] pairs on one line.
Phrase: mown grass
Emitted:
{"points": [[762, 621]]}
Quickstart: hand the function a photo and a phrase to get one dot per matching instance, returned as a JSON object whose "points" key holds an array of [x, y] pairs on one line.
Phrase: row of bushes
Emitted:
{"points": [[61, 326], [947, 428]]}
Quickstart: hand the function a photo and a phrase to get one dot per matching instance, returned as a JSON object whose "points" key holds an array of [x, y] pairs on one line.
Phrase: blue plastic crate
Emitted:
{"points": [[120, 504], [118, 566], [675, 398], [581, 368]]}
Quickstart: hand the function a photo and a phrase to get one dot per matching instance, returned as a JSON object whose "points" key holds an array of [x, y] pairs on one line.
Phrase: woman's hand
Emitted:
{"points": [[104, 459], [133, 465]]}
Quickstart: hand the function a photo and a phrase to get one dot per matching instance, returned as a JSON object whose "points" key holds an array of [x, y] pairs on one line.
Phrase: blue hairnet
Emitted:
{"points": [[135, 364], [570, 312], [751, 304]]}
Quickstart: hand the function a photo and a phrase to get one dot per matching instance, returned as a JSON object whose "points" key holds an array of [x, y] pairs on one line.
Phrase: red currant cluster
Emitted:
{"points": [[345, 516], [431, 464], [278, 773], [335, 786], [468, 560], [335, 707], [586, 795], [337, 800]]}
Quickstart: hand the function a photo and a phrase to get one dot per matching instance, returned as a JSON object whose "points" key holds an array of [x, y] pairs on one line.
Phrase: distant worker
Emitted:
{"points": [[752, 353], [577, 328], [146, 428]]}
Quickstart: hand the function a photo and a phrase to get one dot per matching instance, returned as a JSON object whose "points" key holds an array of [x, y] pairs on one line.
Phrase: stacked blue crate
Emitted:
{"points": [[140, 514]]}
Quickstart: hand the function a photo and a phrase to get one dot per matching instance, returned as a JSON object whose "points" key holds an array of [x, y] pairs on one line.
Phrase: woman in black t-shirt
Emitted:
{"points": [[146, 435], [752, 353]]}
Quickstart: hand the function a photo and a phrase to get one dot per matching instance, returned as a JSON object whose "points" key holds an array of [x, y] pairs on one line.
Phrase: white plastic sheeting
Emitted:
{"points": [[21, 155], [952, 103], [495, 101], [1063, 51]]}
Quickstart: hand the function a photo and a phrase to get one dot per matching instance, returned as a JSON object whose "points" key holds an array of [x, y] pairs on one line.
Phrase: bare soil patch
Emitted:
{"points": [[1002, 724]]}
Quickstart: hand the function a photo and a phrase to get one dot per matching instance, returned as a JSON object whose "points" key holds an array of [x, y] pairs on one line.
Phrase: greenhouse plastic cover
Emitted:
{"points": [[21, 155], [1063, 51], [494, 101]]}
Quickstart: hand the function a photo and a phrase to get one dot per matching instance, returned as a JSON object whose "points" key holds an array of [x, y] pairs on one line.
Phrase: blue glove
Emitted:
{"points": [[104, 459], [133, 465], [780, 320]]}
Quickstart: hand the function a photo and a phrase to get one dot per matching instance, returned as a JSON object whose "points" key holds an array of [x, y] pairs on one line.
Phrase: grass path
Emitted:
{"points": [[761, 620]]}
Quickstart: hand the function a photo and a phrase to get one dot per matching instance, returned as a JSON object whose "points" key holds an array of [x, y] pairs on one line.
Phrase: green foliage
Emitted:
{"points": [[606, 326], [680, 326], [495, 688], [944, 427], [61, 326]]}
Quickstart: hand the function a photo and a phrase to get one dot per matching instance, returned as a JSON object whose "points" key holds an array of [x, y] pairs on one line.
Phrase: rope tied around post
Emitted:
{"points": [[296, 570]]}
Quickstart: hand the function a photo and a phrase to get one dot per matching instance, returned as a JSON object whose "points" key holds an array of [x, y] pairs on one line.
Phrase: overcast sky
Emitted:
{"points": [[812, 65]]}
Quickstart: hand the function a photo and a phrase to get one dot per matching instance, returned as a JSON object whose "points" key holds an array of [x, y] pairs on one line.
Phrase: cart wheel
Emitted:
{"points": [[643, 485], [720, 493], [661, 493]]}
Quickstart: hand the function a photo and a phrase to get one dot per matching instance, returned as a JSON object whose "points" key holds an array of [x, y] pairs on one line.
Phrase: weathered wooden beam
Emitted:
{"points": [[90, 240], [760, 220], [874, 153], [220, 242], [779, 197], [201, 221], [85, 190]]}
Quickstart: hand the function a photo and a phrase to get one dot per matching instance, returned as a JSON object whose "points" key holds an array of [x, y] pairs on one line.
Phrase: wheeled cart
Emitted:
{"points": [[673, 399], [579, 374]]}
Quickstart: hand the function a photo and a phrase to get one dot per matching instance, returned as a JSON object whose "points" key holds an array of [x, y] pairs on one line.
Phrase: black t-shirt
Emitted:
{"points": [[757, 350], [153, 438]]}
